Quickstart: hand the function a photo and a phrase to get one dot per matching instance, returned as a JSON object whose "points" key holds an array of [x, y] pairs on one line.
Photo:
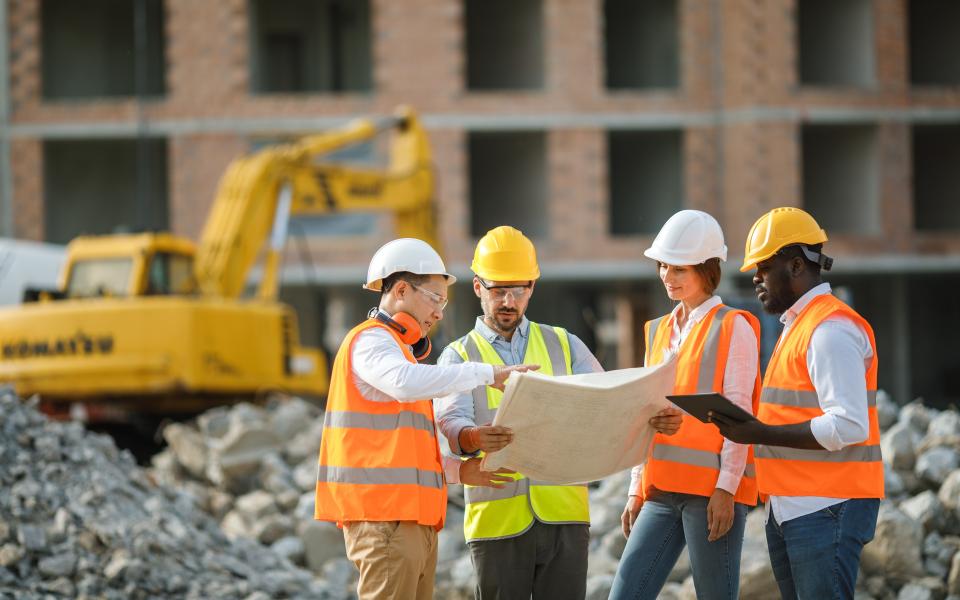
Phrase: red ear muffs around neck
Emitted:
{"points": [[422, 349], [403, 323], [407, 327]]}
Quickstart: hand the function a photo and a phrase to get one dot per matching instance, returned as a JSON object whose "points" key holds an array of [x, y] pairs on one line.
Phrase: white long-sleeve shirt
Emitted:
{"points": [[740, 374], [382, 373], [838, 357]]}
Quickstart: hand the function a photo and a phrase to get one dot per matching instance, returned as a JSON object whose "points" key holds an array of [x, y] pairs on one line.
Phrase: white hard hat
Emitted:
{"points": [[405, 254], [689, 237]]}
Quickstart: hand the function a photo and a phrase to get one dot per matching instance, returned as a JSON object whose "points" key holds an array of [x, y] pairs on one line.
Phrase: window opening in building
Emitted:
{"points": [[934, 42], [841, 177], [645, 174], [104, 186], [936, 178], [641, 44], [101, 48], [310, 46], [836, 46], [508, 182], [504, 44]]}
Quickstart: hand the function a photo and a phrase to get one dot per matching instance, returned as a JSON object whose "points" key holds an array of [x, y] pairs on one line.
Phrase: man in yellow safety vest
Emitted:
{"points": [[526, 538]]}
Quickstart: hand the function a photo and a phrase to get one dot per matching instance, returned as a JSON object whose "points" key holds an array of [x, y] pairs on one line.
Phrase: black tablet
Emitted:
{"points": [[699, 405]]}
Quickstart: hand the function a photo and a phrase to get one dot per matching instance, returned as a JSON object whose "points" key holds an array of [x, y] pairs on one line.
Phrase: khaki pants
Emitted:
{"points": [[397, 560]]}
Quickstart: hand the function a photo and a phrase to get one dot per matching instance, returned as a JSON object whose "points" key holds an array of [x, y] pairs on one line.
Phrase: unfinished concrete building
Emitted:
{"points": [[585, 123]]}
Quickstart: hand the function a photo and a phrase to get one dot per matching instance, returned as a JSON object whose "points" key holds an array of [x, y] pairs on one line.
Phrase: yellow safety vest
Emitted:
{"points": [[507, 512]]}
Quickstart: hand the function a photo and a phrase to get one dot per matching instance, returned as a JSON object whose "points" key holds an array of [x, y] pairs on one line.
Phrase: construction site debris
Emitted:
{"points": [[78, 518], [227, 511]]}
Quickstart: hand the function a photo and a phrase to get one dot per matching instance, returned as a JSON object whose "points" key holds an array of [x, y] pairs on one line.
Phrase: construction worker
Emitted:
{"points": [[817, 438], [526, 538], [696, 487], [380, 476]]}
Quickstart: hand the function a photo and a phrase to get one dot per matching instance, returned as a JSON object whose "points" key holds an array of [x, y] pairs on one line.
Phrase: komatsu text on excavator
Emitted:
{"points": [[153, 323]]}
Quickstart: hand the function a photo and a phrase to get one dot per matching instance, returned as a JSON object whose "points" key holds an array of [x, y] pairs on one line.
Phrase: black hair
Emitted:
{"points": [[794, 251], [412, 278]]}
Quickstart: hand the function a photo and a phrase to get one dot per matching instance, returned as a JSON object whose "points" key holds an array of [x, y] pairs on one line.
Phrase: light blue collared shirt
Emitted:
{"points": [[455, 411]]}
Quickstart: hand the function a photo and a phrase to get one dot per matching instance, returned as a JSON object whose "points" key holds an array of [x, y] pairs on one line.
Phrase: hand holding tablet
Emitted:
{"points": [[700, 405]]}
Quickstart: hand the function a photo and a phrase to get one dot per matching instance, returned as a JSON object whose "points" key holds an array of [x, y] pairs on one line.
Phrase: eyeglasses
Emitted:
{"points": [[500, 292], [439, 301]]}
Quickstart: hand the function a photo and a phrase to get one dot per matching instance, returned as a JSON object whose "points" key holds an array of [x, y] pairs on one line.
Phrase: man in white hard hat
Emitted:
{"points": [[380, 473]]}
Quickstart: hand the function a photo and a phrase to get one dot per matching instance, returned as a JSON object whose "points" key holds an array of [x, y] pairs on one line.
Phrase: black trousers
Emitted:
{"points": [[548, 562]]}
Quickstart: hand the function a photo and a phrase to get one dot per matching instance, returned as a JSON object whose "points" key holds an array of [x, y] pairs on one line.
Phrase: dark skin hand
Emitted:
{"points": [[754, 431]]}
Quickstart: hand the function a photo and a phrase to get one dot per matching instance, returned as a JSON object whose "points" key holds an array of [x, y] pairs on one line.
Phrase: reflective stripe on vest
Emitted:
{"points": [[789, 397], [379, 461], [803, 399], [360, 420], [380, 476], [697, 458], [689, 461], [493, 513]]}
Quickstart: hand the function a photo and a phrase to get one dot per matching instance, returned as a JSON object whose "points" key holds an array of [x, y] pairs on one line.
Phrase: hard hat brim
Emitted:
{"points": [[680, 261], [377, 284], [751, 262]]}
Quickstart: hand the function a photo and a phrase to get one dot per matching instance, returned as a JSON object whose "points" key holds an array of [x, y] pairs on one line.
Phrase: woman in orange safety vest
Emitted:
{"points": [[695, 488]]}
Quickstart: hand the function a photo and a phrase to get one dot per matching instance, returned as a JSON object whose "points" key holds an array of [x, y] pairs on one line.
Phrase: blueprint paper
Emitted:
{"points": [[580, 428]]}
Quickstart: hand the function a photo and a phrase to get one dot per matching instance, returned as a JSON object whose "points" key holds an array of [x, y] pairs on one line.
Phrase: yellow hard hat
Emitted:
{"points": [[505, 254], [777, 229]]}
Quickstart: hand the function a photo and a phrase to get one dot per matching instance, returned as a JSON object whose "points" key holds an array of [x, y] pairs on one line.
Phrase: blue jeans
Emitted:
{"points": [[666, 523], [817, 556]]}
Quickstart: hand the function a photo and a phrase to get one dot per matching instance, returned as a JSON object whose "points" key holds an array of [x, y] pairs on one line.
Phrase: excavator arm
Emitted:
{"points": [[259, 193]]}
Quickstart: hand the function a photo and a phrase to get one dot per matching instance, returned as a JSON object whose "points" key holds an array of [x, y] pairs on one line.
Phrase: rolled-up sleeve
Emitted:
{"points": [[837, 361], [451, 468], [636, 478], [581, 359], [453, 412]]}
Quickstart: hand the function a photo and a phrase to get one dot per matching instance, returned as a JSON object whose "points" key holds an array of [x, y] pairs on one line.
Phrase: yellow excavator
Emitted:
{"points": [[153, 323]]}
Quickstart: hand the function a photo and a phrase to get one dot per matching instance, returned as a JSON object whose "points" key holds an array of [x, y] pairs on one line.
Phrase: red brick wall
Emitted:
{"points": [[196, 164], [738, 76], [26, 158]]}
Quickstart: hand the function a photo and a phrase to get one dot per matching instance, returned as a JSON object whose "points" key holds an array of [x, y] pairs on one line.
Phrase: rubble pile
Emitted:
{"points": [[254, 470], [79, 519], [914, 555], [226, 511]]}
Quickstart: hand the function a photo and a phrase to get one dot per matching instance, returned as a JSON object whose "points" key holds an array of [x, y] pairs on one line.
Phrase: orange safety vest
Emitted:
{"points": [[689, 461], [788, 396], [379, 461]]}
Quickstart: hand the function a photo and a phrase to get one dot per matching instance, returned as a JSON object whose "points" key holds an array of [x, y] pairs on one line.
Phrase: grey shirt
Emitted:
{"points": [[455, 411]]}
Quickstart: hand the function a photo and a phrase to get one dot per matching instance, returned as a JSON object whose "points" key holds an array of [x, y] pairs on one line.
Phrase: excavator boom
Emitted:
{"points": [[259, 192]]}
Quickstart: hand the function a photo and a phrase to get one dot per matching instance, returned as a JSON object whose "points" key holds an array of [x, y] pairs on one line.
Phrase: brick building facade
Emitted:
{"points": [[620, 113]]}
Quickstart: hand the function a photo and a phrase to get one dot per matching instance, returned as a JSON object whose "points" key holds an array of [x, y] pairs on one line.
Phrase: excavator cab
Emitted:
{"points": [[170, 273], [120, 266]]}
